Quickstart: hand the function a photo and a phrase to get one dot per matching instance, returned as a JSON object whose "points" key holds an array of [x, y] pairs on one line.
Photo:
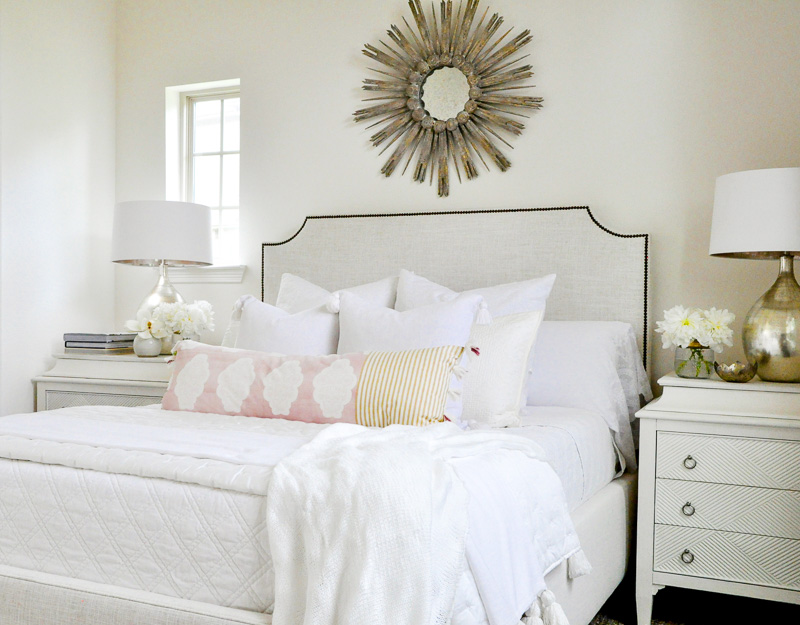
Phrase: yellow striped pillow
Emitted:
{"points": [[414, 387]]}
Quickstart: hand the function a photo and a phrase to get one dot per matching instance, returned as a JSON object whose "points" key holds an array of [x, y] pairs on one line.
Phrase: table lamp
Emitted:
{"points": [[158, 233], [757, 216]]}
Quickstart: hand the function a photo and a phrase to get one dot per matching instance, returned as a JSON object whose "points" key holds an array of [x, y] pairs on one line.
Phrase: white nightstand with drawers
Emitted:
{"points": [[107, 380], [719, 490]]}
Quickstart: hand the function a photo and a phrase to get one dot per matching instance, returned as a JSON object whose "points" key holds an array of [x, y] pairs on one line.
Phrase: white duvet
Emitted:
{"points": [[359, 520]]}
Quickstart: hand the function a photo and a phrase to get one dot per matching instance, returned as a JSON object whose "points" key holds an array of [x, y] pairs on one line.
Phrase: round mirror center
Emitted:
{"points": [[445, 92]]}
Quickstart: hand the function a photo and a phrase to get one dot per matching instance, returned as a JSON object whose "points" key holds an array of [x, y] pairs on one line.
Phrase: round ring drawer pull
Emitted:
{"points": [[688, 509], [690, 463], [687, 556]]}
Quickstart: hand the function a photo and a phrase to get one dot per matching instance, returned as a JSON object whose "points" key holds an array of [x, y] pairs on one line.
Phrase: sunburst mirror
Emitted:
{"points": [[446, 92]]}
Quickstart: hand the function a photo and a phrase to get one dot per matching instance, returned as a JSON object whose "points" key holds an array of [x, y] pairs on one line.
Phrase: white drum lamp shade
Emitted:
{"points": [[158, 233], [153, 232], [757, 215]]}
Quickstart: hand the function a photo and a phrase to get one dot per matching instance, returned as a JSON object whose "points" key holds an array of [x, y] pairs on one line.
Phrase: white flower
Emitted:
{"points": [[719, 331], [173, 318], [148, 327], [199, 317], [710, 328], [680, 326]]}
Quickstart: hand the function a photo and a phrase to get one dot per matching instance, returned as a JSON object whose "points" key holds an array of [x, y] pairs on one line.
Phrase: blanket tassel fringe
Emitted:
{"points": [[545, 611], [578, 564]]}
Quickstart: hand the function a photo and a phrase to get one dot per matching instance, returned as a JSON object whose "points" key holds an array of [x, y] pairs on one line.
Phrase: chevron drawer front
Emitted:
{"points": [[745, 558], [729, 460], [765, 511]]}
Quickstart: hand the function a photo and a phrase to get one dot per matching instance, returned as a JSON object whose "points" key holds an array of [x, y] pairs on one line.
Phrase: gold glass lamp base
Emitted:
{"points": [[771, 333]]}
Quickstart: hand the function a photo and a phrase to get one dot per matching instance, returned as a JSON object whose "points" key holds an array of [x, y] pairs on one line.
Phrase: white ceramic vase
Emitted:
{"points": [[146, 348]]}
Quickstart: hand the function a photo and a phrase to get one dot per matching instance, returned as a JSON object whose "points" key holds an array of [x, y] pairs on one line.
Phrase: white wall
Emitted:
{"points": [[646, 103], [57, 159]]}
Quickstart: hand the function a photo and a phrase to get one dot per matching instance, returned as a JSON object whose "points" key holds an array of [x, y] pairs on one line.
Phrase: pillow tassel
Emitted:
{"points": [[459, 372], [578, 564], [334, 303], [232, 331], [484, 317], [454, 393]]}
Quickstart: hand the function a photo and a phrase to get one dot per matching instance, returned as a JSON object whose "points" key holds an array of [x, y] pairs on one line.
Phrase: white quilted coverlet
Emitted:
{"points": [[167, 502]]}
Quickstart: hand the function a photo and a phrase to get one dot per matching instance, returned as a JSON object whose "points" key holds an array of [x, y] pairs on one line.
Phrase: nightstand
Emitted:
{"points": [[719, 490], [102, 379]]}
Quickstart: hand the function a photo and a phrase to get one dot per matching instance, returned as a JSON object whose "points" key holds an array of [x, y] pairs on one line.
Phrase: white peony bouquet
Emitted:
{"points": [[188, 320], [694, 328]]}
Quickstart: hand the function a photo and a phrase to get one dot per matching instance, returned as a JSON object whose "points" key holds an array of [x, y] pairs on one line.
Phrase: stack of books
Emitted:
{"points": [[110, 343]]}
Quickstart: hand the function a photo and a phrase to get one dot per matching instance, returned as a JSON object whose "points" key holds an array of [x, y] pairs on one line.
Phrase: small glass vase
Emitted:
{"points": [[168, 343], [695, 361], [146, 348]]}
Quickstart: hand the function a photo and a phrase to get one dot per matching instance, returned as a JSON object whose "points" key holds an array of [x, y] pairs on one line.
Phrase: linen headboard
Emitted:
{"points": [[601, 275]]}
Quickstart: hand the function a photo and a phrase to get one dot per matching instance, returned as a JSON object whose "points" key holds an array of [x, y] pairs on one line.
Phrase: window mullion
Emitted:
{"points": [[191, 156]]}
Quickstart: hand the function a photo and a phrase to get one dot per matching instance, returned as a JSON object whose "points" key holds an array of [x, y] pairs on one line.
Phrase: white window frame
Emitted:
{"points": [[179, 163]]}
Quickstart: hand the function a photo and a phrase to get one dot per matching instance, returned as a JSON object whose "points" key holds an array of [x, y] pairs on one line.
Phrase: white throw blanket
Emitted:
{"points": [[375, 526]]}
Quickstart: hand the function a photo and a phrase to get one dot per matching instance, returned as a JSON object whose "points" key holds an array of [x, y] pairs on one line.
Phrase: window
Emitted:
{"points": [[210, 164]]}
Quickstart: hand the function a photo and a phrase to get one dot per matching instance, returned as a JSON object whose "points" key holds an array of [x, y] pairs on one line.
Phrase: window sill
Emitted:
{"points": [[231, 274]]}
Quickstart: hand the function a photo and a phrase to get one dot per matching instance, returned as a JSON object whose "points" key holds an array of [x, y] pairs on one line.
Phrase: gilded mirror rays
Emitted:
{"points": [[447, 92]]}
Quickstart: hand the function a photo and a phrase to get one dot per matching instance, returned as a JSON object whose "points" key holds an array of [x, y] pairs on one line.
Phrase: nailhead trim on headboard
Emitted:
{"points": [[646, 238]]}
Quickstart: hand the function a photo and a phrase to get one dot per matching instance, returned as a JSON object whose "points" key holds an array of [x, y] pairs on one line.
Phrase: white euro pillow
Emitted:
{"points": [[296, 294], [496, 388], [496, 379], [593, 365], [266, 328], [503, 299], [365, 327]]}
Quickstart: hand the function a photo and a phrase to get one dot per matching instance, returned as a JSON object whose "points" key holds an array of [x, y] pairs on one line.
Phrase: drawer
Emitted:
{"points": [[760, 462], [69, 399], [743, 509], [728, 556]]}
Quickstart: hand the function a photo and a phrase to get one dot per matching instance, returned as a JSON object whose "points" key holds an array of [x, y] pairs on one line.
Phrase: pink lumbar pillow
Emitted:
{"points": [[376, 389]]}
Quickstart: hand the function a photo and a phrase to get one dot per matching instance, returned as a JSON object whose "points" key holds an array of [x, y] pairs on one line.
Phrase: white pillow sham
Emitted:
{"points": [[296, 294], [267, 328], [496, 379], [503, 299], [494, 396], [365, 327], [594, 365]]}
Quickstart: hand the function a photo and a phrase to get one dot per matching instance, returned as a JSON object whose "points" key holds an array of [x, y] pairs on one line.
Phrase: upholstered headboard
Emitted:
{"points": [[602, 275]]}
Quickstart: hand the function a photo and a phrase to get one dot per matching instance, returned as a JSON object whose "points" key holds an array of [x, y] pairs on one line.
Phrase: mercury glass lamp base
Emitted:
{"points": [[771, 332], [163, 293]]}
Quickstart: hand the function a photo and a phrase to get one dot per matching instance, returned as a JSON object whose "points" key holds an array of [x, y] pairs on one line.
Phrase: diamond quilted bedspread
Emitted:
{"points": [[166, 502]]}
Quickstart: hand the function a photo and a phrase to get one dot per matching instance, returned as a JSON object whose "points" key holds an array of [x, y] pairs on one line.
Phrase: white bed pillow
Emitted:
{"points": [[365, 327], [594, 365], [297, 294], [267, 328], [496, 379], [494, 397], [504, 299]]}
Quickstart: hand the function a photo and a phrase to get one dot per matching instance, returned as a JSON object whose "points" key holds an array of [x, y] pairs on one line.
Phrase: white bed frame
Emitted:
{"points": [[602, 275]]}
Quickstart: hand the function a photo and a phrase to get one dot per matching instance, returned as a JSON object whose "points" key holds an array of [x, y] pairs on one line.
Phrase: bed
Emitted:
{"points": [[182, 540]]}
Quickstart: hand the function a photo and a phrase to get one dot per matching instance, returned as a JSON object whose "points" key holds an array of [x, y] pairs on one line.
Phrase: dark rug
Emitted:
{"points": [[604, 620], [686, 606]]}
